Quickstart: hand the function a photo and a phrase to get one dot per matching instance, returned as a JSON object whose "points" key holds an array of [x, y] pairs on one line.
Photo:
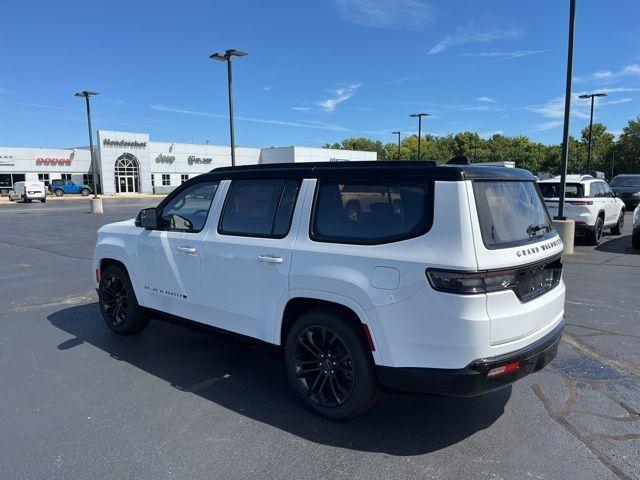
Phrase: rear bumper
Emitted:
{"points": [[472, 380]]}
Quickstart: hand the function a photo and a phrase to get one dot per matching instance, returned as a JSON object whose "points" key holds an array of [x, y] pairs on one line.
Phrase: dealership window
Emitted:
{"points": [[8, 179], [44, 177], [166, 180], [184, 177], [65, 176]]}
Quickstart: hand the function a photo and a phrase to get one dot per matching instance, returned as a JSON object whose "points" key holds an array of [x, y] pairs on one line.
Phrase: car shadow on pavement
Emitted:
{"points": [[250, 380], [620, 244]]}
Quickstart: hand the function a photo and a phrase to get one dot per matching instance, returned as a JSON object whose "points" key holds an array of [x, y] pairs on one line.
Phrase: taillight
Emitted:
{"points": [[470, 283], [509, 367], [580, 202]]}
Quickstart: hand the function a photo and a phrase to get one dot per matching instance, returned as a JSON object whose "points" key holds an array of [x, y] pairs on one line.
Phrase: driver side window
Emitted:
{"points": [[188, 210]]}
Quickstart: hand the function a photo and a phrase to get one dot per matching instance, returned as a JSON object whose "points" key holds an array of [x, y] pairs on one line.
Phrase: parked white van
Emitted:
{"points": [[28, 191], [447, 281]]}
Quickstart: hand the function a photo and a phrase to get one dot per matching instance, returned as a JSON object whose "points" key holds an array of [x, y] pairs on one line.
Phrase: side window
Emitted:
{"points": [[607, 190], [259, 208], [188, 210], [599, 190], [371, 212]]}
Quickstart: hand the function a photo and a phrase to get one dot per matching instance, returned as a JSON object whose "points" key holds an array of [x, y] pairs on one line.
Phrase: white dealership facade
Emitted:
{"points": [[129, 162]]}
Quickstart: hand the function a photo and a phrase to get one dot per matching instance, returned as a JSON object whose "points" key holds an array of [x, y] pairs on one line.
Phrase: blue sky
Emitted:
{"points": [[317, 71]]}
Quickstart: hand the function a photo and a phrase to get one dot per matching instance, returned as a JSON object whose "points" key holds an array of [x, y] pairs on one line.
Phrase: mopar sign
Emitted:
{"points": [[191, 160]]}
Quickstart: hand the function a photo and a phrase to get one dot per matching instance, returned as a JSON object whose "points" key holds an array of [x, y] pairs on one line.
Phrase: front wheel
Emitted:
{"points": [[595, 236], [58, 193], [619, 227], [118, 304], [330, 366]]}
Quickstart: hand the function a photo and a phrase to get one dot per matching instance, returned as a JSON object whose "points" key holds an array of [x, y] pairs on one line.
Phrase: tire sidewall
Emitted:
{"points": [[365, 383], [134, 321]]}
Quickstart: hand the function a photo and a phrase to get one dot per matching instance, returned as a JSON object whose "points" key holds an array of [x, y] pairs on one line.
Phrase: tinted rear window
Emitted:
{"points": [[626, 181], [510, 213], [552, 190], [371, 212]]}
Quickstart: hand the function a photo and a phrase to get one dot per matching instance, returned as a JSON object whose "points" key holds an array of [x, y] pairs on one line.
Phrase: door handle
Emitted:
{"points": [[185, 249], [270, 259]]}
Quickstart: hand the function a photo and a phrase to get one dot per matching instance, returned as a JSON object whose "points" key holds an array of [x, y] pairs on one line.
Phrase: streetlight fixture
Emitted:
{"points": [[397, 133], [592, 96], [86, 94], [226, 57], [419, 116]]}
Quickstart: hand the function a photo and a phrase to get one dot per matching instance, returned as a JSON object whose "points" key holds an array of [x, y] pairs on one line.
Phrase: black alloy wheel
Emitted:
{"points": [[323, 366], [114, 300]]}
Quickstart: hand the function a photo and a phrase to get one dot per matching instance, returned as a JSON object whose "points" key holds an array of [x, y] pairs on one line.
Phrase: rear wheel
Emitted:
{"points": [[595, 235], [84, 192], [43, 200], [619, 227], [58, 192], [330, 366], [635, 238], [118, 304]]}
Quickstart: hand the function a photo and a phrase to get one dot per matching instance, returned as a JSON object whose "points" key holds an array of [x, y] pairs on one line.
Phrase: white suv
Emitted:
{"points": [[588, 201], [448, 280]]}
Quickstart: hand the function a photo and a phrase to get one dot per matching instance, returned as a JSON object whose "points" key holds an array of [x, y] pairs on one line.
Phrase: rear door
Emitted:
{"points": [[247, 255], [612, 210], [513, 235]]}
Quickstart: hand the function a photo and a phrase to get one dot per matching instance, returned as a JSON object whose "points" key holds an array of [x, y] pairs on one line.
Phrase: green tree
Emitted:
{"points": [[628, 149]]}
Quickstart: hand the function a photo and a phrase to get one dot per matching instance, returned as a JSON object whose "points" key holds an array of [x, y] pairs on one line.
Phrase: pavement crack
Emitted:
{"points": [[71, 300], [40, 249], [586, 349]]}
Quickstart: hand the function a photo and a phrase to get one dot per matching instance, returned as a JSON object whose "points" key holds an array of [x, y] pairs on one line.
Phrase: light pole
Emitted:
{"points": [[226, 57], [397, 133], [592, 96], [86, 96], [613, 158], [419, 115]]}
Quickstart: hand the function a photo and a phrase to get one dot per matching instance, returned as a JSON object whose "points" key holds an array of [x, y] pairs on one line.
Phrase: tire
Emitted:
{"points": [[335, 388], [84, 192], [58, 192], [595, 236], [118, 304], [635, 238], [619, 227], [43, 200], [10, 199]]}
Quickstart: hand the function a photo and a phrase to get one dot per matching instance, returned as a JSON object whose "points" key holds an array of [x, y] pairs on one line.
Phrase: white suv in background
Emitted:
{"points": [[588, 201], [447, 281]]}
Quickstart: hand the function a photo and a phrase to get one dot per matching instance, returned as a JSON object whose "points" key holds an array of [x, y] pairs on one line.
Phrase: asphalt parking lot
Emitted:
{"points": [[78, 402]]}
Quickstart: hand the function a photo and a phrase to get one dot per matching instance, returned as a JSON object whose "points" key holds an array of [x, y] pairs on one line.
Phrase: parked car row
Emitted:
{"points": [[27, 191]]}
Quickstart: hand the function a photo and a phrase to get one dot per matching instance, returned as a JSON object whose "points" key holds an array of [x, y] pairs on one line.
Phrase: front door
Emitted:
{"points": [[169, 259], [246, 260]]}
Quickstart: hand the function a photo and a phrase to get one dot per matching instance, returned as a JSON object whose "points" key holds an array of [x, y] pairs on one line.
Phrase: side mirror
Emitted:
{"points": [[147, 218]]}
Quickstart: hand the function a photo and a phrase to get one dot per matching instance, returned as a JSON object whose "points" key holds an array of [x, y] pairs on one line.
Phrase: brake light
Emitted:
{"points": [[580, 202], [367, 335], [97, 275], [509, 367], [470, 283]]}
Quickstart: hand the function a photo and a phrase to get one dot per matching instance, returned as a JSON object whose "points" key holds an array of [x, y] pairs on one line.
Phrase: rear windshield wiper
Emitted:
{"points": [[532, 230]]}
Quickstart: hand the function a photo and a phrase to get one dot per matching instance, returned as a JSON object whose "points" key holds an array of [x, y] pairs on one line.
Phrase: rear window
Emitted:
{"points": [[633, 181], [510, 213], [368, 212], [552, 190]]}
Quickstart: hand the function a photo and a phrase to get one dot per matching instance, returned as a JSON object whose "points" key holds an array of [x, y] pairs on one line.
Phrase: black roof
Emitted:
{"points": [[373, 169]]}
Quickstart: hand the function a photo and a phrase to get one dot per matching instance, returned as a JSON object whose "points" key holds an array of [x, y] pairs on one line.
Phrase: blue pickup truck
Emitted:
{"points": [[60, 187]]}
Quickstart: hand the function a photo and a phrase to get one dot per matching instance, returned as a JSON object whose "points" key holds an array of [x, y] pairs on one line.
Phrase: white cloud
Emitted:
{"points": [[266, 88], [501, 56], [609, 75], [338, 96], [485, 99], [392, 14], [550, 125], [301, 109], [398, 80], [475, 34], [616, 101], [268, 121]]}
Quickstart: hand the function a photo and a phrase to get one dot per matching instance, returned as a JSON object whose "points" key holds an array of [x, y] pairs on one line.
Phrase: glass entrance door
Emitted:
{"points": [[127, 184]]}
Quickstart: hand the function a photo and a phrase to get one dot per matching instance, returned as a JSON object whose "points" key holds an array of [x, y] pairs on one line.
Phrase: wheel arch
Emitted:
{"points": [[303, 302]]}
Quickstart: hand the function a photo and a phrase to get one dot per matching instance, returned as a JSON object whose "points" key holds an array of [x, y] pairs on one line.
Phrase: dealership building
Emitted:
{"points": [[130, 163]]}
